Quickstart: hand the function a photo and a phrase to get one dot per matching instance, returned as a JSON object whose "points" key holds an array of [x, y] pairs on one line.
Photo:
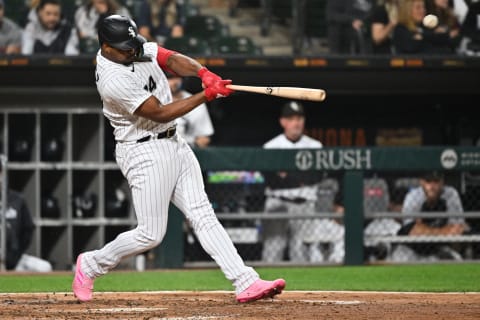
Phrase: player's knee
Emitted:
{"points": [[148, 239], [201, 215]]}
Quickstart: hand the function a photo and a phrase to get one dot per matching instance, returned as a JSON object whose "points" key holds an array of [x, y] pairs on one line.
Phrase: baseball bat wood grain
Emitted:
{"points": [[284, 92]]}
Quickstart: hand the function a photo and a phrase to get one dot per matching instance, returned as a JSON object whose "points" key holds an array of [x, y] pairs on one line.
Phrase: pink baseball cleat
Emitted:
{"points": [[261, 289], [82, 285]]}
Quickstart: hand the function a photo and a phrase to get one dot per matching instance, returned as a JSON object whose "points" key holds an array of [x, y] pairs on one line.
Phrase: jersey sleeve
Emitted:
{"points": [[454, 205], [158, 54], [412, 204], [126, 93]]}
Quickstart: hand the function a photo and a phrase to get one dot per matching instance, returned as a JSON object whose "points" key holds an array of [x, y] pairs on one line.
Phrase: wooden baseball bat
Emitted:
{"points": [[284, 92]]}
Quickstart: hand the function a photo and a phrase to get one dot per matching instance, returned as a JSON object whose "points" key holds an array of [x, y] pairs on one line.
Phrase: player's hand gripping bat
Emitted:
{"points": [[284, 92]]}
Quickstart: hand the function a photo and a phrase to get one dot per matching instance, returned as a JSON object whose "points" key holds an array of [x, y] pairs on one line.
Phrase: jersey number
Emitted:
{"points": [[152, 85]]}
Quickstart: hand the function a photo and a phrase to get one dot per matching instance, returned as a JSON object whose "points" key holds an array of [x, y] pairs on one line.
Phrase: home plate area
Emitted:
{"points": [[222, 305]]}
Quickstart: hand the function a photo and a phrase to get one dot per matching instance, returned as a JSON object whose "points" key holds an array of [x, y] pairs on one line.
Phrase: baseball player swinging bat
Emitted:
{"points": [[284, 92]]}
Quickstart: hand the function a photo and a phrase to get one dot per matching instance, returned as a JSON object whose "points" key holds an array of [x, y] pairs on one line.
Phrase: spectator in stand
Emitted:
{"points": [[339, 26], [460, 9], [232, 7], [471, 28], [49, 33], [362, 10], [10, 34], [383, 20], [346, 25], [448, 23], [29, 12], [87, 17], [160, 19], [411, 37], [431, 196]]}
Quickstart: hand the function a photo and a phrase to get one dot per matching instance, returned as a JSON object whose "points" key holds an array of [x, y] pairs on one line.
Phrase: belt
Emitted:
{"points": [[170, 132]]}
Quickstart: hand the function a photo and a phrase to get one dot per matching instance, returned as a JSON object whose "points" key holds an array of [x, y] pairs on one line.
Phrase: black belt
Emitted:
{"points": [[170, 132]]}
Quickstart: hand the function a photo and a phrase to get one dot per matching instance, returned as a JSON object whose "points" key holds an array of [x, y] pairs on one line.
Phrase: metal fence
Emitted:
{"points": [[344, 206]]}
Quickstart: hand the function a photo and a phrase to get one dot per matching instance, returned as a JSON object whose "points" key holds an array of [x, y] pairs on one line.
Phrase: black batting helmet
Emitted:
{"points": [[120, 32]]}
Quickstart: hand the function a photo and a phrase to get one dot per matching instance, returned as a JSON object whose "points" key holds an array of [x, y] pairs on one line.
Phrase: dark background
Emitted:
{"points": [[437, 96]]}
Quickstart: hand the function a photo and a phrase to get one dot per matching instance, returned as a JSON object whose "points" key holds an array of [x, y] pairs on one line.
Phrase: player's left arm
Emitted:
{"points": [[153, 110]]}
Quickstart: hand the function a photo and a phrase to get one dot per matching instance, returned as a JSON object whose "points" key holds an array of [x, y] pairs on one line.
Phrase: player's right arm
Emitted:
{"points": [[152, 109]]}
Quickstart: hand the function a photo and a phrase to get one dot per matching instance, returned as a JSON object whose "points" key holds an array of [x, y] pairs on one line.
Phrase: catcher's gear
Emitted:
{"points": [[121, 32]]}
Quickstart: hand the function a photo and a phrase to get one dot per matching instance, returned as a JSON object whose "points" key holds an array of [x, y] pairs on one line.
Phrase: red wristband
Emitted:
{"points": [[162, 57]]}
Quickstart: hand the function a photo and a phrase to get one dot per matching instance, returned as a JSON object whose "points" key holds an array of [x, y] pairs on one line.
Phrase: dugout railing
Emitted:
{"points": [[371, 189]]}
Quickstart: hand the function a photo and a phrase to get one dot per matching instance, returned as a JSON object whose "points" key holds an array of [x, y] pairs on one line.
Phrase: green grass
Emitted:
{"points": [[427, 278]]}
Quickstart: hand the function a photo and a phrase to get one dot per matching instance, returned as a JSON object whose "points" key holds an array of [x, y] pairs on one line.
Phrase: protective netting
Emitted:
{"points": [[295, 216]]}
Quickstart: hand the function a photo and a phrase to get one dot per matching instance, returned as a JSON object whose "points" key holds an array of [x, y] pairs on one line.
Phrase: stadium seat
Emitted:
{"points": [[191, 9], [69, 7], [376, 195], [132, 6], [88, 46], [282, 9], [316, 21], [188, 45], [207, 27], [17, 11], [236, 45]]}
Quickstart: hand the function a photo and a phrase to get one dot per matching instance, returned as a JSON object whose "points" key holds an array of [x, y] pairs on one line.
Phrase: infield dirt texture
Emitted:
{"points": [[222, 305]]}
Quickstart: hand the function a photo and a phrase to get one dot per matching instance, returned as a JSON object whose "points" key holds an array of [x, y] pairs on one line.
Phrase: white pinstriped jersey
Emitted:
{"points": [[158, 171], [123, 88], [416, 197], [281, 142]]}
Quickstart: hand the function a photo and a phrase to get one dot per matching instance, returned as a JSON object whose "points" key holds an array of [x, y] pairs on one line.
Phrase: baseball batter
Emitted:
{"points": [[159, 165]]}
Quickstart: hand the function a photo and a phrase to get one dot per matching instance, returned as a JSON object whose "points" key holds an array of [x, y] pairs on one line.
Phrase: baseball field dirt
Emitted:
{"points": [[222, 305]]}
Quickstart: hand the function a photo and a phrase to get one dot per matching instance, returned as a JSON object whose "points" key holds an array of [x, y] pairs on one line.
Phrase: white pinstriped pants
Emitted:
{"points": [[160, 171]]}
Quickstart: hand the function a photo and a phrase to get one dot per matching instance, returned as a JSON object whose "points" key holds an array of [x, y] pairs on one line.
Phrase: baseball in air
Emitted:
{"points": [[430, 21]]}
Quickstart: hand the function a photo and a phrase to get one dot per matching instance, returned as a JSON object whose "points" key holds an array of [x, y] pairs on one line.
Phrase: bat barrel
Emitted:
{"points": [[284, 92]]}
